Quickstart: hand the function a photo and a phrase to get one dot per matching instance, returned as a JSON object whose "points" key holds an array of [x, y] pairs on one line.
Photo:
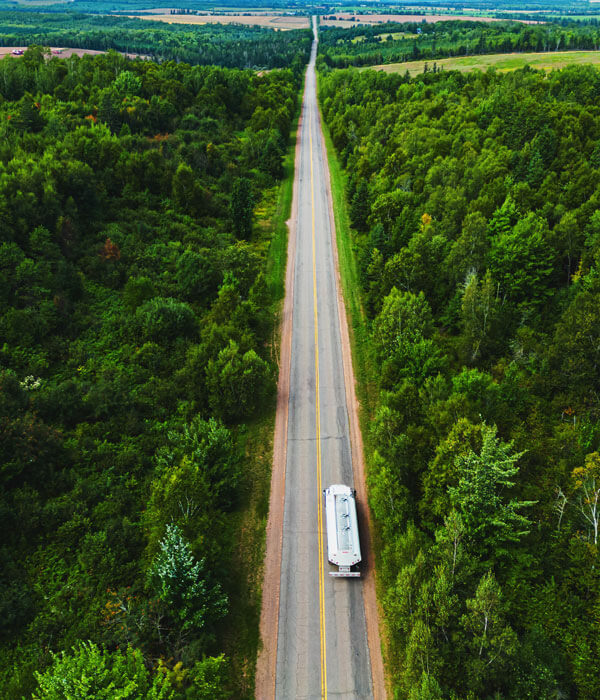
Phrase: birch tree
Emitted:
{"points": [[587, 494], [492, 639]]}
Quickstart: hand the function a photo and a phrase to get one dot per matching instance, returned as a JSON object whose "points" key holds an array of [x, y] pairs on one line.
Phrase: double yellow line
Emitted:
{"points": [[318, 420]]}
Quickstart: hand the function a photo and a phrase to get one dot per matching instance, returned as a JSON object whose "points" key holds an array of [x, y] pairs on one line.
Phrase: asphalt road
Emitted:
{"points": [[322, 649]]}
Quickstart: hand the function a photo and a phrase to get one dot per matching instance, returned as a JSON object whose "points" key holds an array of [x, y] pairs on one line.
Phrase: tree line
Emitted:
{"points": [[136, 323], [475, 205], [230, 46], [362, 46]]}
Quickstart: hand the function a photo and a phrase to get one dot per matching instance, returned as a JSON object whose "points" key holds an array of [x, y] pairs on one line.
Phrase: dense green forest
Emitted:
{"points": [[475, 202], [136, 318], [410, 41], [231, 46]]}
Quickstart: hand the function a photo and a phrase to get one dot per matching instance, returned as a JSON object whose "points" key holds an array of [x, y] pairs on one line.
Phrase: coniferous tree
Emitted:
{"points": [[242, 207]]}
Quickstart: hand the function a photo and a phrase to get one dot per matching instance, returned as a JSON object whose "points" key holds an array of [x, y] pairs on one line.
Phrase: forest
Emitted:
{"points": [[230, 46], [475, 206], [410, 41], [136, 317]]}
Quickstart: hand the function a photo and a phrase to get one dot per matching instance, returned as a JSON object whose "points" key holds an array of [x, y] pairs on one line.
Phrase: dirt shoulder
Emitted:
{"points": [[266, 666]]}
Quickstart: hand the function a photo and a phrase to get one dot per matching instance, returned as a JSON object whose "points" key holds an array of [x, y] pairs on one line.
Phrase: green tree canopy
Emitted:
{"points": [[88, 672], [490, 519]]}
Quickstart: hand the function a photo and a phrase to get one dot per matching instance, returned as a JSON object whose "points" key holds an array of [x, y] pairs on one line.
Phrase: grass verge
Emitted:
{"points": [[362, 357], [256, 439], [277, 256]]}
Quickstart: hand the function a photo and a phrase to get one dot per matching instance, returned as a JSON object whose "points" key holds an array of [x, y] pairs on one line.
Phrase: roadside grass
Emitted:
{"points": [[242, 637], [501, 62], [362, 357], [281, 208]]}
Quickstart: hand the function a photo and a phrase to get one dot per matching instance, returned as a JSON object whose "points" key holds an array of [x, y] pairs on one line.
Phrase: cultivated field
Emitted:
{"points": [[501, 62], [344, 19], [263, 20]]}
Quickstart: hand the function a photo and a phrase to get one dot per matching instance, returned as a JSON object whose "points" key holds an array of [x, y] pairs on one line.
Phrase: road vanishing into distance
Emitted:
{"points": [[322, 650]]}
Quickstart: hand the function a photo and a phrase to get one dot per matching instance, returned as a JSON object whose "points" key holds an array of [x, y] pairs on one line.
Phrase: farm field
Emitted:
{"points": [[501, 62], [347, 19], [262, 20]]}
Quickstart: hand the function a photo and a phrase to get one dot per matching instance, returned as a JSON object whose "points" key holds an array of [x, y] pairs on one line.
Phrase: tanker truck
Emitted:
{"points": [[343, 545]]}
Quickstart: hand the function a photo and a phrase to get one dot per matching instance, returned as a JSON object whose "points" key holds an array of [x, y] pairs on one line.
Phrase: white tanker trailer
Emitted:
{"points": [[343, 545]]}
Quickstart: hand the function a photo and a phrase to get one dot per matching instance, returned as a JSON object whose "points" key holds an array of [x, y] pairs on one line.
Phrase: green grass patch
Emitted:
{"points": [[277, 255], [566, 15], [384, 37], [256, 439], [398, 35], [502, 62], [241, 639]]}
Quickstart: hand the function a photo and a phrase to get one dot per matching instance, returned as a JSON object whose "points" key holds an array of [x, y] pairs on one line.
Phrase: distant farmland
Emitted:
{"points": [[263, 20], [344, 20], [57, 52], [501, 62]]}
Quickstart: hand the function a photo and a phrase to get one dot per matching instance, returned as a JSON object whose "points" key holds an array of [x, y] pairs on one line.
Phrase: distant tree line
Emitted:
{"points": [[230, 46], [340, 48]]}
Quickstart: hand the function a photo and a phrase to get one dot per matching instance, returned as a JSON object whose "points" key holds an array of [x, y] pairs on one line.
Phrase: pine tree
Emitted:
{"points": [[360, 208], [504, 218], [180, 581], [536, 170], [242, 207], [492, 640], [490, 520]]}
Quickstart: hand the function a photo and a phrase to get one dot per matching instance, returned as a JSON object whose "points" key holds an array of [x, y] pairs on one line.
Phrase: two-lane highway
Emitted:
{"points": [[322, 648]]}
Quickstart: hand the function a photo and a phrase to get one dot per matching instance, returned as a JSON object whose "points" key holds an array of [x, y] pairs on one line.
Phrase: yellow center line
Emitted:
{"points": [[318, 420]]}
